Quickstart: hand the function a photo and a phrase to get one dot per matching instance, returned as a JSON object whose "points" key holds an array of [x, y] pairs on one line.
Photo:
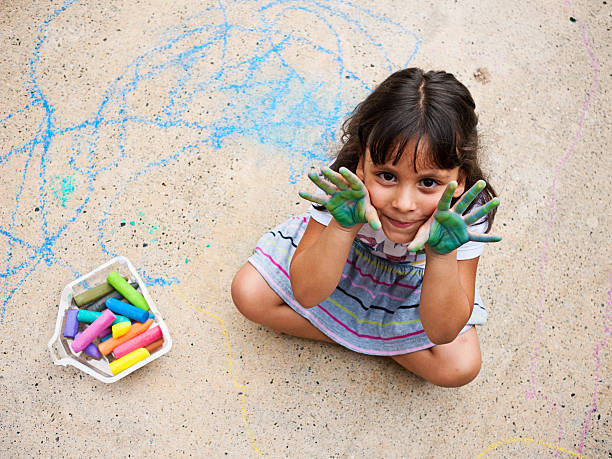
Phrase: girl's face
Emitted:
{"points": [[403, 198]]}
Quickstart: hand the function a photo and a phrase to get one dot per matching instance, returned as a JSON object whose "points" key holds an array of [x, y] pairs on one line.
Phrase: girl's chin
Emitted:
{"points": [[398, 236]]}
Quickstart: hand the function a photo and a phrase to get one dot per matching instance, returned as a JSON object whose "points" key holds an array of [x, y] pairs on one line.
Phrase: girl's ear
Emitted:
{"points": [[460, 184]]}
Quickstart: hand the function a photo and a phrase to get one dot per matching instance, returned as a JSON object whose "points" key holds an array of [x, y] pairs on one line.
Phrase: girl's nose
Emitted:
{"points": [[404, 200]]}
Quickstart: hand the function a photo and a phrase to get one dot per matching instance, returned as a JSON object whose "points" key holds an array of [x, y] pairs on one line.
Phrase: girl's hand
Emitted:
{"points": [[446, 230], [347, 197]]}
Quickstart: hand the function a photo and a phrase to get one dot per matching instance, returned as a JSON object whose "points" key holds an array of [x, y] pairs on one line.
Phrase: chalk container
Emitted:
{"points": [[59, 345]]}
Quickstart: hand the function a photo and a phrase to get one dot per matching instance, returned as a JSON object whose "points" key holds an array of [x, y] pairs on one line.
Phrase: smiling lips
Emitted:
{"points": [[400, 224]]}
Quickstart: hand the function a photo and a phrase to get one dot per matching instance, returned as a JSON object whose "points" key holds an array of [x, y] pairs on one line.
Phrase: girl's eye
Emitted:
{"points": [[428, 183], [387, 176]]}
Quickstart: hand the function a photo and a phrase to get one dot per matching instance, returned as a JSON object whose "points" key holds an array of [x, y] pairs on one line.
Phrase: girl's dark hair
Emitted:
{"points": [[433, 108]]}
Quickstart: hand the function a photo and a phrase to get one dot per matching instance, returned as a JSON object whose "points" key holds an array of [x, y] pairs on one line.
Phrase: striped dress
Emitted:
{"points": [[375, 307]]}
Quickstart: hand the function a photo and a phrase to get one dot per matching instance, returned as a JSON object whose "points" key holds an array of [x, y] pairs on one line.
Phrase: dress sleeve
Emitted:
{"points": [[473, 249], [321, 216]]}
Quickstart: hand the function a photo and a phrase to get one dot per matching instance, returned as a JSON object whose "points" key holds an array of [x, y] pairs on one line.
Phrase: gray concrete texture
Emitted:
{"points": [[176, 133]]}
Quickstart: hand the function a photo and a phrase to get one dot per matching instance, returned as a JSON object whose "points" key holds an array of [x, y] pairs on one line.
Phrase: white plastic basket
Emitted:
{"points": [[60, 348]]}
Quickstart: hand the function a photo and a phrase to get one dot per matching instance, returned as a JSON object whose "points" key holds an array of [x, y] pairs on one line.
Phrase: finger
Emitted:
{"points": [[419, 240], [352, 179], [481, 211], [313, 198], [421, 237], [479, 237], [372, 217], [327, 187], [468, 197], [445, 200], [335, 178]]}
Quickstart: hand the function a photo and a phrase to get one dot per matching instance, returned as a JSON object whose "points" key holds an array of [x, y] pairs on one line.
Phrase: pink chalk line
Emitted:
{"points": [[607, 314], [544, 255]]}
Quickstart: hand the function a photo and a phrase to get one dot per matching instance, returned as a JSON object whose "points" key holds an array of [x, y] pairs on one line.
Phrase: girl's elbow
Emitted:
{"points": [[303, 296], [438, 337]]}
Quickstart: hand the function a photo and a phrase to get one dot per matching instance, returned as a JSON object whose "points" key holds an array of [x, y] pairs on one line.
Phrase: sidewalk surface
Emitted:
{"points": [[176, 133]]}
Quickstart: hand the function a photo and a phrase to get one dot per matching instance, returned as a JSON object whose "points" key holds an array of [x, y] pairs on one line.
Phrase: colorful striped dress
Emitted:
{"points": [[375, 307]]}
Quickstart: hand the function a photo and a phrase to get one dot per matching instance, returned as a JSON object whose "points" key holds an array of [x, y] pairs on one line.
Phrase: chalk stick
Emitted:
{"points": [[91, 350], [155, 345], [129, 292], [151, 316], [121, 329], [100, 304], [93, 294], [127, 361], [89, 317], [106, 337], [107, 346], [71, 327], [127, 310], [91, 332], [105, 332], [142, 340]]}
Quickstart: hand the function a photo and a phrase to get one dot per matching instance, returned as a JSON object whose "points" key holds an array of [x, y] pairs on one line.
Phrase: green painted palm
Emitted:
{"points": [[347, 197], [447, 229]]}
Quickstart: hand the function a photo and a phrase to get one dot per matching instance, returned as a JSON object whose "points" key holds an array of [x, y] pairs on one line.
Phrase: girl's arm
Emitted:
{"points": [[447, 291], [447, 295], [320, 257], [319, 260]]}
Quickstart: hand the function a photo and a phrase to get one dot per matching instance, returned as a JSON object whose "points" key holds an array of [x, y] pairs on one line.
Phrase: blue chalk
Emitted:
{"points": [[151, 316], [127, 310]]}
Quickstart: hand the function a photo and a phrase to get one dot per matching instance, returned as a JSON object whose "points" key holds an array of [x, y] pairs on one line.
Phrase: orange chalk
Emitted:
{"points": [[155, 345], [107, 346]]}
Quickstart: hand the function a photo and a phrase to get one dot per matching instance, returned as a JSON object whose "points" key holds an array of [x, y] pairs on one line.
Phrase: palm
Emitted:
{"points": [[447, 229], [347, 198]]}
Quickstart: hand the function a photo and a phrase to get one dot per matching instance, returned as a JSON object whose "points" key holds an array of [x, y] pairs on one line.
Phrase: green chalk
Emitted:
{"points": [[93, 294], [128, 292]]}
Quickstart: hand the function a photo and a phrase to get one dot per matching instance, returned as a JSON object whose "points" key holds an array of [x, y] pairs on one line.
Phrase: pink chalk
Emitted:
{"points": [[91, 350], [142, 340], [92, 332]]}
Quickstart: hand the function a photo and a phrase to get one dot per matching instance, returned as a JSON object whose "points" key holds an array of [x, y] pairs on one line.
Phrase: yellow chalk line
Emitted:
{"points": [[527, 440], [238, 386]]}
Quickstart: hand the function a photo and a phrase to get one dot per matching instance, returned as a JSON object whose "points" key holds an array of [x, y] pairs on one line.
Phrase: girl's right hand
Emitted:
{"points": [[346, 197]]}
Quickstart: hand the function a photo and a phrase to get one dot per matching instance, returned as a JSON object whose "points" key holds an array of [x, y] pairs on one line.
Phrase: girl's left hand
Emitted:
{"points": [[447, 229]]}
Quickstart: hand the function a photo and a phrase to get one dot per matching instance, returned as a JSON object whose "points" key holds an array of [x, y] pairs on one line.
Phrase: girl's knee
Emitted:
{"points": [[458, 372], [250, 293]]}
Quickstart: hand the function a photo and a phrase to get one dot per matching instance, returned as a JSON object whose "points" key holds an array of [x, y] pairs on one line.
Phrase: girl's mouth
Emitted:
{"points": [[400, 224]]}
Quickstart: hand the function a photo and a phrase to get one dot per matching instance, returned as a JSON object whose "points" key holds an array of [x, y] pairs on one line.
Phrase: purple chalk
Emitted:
{"points": [[92, 332], [105, 332], [72, 324], [91, 350]]}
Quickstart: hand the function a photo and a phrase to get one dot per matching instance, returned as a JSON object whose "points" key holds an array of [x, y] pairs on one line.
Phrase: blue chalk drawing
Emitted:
{"points": [[268, 99]]}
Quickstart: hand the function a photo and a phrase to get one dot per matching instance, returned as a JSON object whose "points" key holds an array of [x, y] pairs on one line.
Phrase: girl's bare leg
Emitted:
{"points": [[448, 365], [259, 303]]}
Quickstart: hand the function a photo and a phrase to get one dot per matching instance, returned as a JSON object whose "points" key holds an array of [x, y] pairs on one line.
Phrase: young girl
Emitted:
{"points": [[385, 262]]}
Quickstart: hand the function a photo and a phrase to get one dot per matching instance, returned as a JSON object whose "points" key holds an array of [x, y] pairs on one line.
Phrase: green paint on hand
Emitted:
{"points": [[347, 197], [449, 229]]}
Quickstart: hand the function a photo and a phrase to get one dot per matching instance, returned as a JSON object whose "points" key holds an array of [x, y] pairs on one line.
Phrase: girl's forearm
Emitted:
{"points": [[444, 306], [315, 271]]}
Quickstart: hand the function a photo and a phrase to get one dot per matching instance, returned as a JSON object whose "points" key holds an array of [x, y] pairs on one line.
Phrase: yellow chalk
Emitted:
{"points": [[125, 362], [121, 329]]}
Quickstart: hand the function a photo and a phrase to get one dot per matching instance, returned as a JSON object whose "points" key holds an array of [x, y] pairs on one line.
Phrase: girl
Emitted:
{"points": [[385, 263]]}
